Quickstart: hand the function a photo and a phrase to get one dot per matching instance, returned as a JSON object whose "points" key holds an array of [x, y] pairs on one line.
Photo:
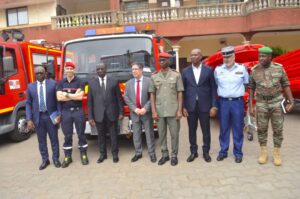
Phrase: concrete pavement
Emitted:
{"points": [[21, 179]]}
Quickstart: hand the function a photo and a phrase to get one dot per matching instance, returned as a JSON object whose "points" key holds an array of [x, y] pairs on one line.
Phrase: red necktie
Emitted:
{"points": [[137, 96]]}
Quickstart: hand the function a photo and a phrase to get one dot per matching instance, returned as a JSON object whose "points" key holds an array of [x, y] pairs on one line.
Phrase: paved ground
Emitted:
{"points": [[21, 179]]}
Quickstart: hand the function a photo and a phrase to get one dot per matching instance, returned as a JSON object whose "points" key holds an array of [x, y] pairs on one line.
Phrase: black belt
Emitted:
{"points": [[267, 98], [231, 98], [72, 109]]}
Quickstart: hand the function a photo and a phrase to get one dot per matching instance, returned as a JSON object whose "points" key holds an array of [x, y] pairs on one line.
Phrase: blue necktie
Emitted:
{"points": [[42, 100]]}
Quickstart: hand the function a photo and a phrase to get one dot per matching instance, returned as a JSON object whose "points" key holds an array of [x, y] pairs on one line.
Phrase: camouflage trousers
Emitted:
{"points": [[266, 111]]}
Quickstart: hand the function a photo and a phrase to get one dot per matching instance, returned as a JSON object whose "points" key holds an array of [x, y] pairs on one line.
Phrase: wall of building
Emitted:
{"points": [[2, 18], [81, 6], [41, 13]]}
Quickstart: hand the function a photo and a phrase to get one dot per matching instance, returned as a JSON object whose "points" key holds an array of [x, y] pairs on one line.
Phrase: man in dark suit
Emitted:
{"points": [[138, 100], [40, 104], [199, 102], [105, 107]]}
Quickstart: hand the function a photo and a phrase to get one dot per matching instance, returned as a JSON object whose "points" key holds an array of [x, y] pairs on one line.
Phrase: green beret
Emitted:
{"points": [[265, 50]]}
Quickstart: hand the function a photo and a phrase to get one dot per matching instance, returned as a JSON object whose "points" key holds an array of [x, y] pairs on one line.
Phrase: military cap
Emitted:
{"points": [[165, 55], [227, 51], [70, 64], [265, 50]]}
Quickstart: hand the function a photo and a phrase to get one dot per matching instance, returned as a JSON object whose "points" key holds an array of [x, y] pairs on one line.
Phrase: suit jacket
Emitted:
{"points": [[129, 97], [100, 101], [32, 101], [206, 89]]}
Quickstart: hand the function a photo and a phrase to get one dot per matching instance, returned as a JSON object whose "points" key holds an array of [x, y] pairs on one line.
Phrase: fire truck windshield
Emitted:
{"points": [[118, 53]]}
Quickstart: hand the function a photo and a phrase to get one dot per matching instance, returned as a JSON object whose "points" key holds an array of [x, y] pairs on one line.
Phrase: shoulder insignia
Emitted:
{"points": [[254, 67]]}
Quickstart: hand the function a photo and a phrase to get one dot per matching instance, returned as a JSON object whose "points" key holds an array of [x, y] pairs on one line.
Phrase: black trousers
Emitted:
{"points": [[192, 119], [107, 127]]}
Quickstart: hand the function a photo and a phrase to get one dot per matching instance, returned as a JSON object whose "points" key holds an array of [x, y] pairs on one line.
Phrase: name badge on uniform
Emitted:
{"points": [[171, 78], [239, 73]]}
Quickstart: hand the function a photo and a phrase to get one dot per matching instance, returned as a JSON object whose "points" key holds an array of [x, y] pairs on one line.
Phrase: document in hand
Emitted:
{"points": [[53, 117], [283, 105]]}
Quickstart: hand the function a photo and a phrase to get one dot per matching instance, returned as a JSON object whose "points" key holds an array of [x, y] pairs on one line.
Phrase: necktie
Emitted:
{"points": [[102, 83], [137, 96], [42, 100]]}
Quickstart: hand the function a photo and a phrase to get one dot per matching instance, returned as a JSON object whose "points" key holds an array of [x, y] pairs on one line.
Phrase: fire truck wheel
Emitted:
{"points": [[20, 132]]}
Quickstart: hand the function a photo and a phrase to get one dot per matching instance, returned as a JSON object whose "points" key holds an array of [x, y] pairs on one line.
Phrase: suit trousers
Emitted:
{"points": [[110, 127], [69, 118], [147, 122], [231, 115], [46, 126], [174, 127], [192, 119]]}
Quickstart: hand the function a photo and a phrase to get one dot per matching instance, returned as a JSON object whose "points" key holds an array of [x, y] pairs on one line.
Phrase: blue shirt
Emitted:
{"points": [[231, 81]]}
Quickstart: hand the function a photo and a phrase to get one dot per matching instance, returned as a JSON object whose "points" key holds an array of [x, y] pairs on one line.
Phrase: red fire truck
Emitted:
{"points": [[17, 62], [117, 48]]}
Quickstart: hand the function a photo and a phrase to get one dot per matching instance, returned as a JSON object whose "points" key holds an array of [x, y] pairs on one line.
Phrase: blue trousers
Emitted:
{"points": [[46, 126], [69, 118], [231, 116]]}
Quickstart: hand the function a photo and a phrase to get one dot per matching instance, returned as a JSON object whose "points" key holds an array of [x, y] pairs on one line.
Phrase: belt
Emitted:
{"points": [[72, 109], [267, 98], [231, 98]]}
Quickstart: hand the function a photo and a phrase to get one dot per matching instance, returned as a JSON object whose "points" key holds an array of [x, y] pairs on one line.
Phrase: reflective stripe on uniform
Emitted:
{"points": [[84, 146], [67, 147]]}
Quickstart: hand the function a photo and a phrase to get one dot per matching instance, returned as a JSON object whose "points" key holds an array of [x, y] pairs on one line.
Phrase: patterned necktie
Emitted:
{"points": [[137, 96], [42, 100]]}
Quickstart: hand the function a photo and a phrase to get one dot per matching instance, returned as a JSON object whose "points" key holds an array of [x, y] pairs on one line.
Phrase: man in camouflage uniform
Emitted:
{"points": [[166, 103], [268, 79]]}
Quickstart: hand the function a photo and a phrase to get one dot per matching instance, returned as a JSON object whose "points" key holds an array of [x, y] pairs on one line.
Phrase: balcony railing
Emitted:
{"points": [[170, 14]]}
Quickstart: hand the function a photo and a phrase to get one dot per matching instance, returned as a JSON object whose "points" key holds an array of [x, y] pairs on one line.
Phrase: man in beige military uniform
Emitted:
{"points": [[166, 89], [268, 79]]}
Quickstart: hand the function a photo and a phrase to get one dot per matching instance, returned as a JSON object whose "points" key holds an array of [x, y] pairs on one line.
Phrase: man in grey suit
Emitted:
{"points": [[138, 100], [105, 107]]}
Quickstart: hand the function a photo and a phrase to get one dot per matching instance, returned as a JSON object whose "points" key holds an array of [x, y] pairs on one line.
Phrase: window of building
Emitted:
{"points": [[135, 5], [17, 16]]}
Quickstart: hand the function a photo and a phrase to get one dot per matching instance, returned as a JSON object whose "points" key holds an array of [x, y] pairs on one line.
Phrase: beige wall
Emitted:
{"points": [[81, 6], [41, 13], [208, 44], [2, 18], [288, 41]]}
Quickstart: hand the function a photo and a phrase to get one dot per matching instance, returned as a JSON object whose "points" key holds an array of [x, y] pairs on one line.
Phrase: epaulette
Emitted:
{"points": [[155, 72], [277, 64], [254, 67], [174, 70]]}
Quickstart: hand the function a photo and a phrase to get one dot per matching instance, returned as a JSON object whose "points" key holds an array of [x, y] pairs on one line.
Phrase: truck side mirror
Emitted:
{"points": [[2, 86], [172, 59], [50, 70]]}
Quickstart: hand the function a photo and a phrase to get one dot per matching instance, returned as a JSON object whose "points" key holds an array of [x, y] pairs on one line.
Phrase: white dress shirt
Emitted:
{"points": [[197, 72], [100, 81]]}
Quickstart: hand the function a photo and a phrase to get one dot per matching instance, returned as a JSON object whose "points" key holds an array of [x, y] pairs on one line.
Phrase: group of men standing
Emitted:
{"points": [[198, 93]]}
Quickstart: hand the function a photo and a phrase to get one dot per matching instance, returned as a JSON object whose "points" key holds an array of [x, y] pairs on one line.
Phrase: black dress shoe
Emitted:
{"points": [[57, 163], [238, 159], [67, 161], [206, 157], [192, 157], [136, 158], [101, 158], [174, 161], [220, 157], [44, 164], [163, 160], [153, 158], [115, 159]]}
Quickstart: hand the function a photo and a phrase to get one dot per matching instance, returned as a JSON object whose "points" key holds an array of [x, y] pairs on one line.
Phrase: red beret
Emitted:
{"points": [[165, 55], [70, 64]]}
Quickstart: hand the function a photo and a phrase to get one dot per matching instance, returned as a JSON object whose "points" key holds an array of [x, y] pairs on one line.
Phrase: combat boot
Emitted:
{"points": [[84, 158], [67, 160], [263, 156], [276, 157]]}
